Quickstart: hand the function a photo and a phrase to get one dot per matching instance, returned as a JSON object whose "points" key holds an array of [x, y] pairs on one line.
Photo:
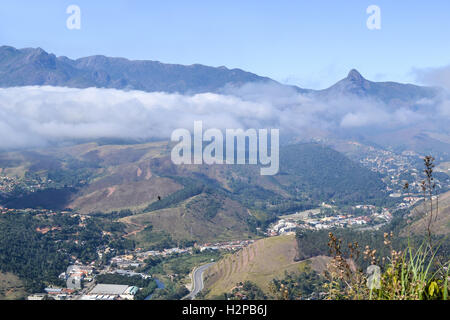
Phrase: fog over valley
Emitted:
{"points": [[36, 116]]}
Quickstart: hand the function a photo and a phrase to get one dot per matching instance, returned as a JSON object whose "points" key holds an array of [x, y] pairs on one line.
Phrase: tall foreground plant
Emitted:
{"points": [[411, 274]]}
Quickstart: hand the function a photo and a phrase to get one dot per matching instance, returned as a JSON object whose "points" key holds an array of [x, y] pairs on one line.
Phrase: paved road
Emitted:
{"points": [[198, 280]]}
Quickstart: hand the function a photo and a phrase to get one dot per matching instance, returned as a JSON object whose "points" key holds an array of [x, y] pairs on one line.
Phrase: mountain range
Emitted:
{"points": [[36, 67], [28, 66]]}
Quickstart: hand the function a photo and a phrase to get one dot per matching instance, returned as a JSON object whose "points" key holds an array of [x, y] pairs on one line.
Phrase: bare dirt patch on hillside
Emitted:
{"points": [[11, 287]]}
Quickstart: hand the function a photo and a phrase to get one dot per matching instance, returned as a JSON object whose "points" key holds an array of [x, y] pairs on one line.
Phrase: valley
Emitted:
{"points": [[94, 207], [134, 209]]}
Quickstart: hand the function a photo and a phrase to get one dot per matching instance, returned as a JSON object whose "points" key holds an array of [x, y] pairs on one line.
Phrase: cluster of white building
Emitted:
{"points": [[127, 261], [282, 227], [409, 201], [229, 245], [75, 274], [111, 292], [138, 257], [306, 220]]}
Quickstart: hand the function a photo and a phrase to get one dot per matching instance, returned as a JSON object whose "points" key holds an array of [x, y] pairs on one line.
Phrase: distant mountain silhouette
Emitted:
{"points": [[356, 84], [22, 67], [37, 67]]}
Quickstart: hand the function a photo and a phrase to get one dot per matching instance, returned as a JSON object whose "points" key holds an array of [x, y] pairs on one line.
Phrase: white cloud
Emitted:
{"points": [[36, 116], [439, 77]]}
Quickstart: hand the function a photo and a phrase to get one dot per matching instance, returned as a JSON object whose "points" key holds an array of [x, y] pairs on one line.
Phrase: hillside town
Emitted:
{"points": [[328, 216], [399, 168], [10, 183], [81, 281]]}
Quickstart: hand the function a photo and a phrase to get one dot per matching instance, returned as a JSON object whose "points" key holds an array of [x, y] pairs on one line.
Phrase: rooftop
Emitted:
{"points": [[109, 289]]}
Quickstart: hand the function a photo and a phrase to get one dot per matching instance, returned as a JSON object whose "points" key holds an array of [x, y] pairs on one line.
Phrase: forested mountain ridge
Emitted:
{"points": [[34, 66]]}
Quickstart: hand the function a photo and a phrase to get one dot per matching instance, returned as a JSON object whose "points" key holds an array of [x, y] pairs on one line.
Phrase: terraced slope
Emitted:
{"points": [[260, 262]]}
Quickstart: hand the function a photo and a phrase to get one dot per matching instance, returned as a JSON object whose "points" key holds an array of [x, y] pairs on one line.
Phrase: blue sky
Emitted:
{"points": [[308, 43]]}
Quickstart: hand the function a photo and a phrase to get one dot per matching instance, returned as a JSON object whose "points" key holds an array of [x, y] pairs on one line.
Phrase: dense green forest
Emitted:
{"points": [[51, 198], [38, 258], [32, 256], [324, 174], [115, 278]]}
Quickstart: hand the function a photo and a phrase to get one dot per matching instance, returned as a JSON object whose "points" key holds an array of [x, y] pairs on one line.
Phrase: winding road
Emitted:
{"points": [[197, 279]]}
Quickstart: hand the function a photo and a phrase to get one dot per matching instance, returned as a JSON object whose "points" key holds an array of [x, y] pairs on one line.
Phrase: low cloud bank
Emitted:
{"points": [[39, 116], [438, 77]]}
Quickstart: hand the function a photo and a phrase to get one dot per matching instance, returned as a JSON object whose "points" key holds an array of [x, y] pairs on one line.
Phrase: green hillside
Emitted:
{"points": [[202, 218], [324, 174], [186, 202]]}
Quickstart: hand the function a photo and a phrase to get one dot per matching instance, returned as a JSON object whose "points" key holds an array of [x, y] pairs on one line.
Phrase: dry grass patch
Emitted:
{"points": [[260, 262], [11, 287]]}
